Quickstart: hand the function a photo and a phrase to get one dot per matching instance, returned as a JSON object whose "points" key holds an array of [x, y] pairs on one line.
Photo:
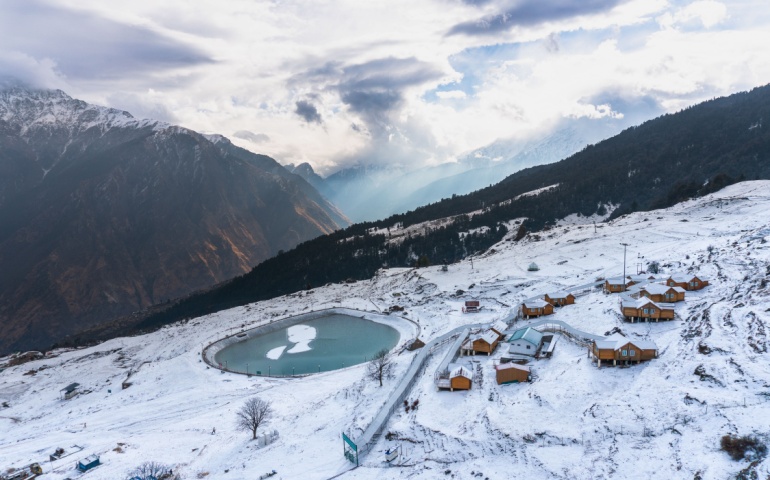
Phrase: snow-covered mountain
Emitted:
{"points": [[661, 419], [102, 214]]}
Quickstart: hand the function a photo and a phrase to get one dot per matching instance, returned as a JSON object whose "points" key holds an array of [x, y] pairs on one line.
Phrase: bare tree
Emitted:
{"points": [[253, 413], [381, 366], [152, 470]]}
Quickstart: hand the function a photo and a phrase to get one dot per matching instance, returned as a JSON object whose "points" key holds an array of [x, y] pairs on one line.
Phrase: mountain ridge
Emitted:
{"points": [[102, 214]]}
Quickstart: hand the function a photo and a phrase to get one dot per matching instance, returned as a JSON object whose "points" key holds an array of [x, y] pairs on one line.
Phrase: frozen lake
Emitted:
{"points": [[321, 344]]}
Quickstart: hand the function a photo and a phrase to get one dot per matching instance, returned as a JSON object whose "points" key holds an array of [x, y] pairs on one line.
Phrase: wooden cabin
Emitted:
{"points": [[485, 342], [525, 341], [472, 306], [687, 281], [460, 377], [499, 327], [536, 308], [512, 373], [662, 293], [560, 298], [646, 310], [618, 349], [615, 285]]}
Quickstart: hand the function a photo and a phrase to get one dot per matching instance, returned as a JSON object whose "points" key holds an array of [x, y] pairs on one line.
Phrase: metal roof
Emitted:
{"points": [[529, 334], [69, 388]]}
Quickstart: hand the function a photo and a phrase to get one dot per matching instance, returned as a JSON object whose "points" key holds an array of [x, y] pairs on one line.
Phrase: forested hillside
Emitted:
{"points": [[659, 163]]}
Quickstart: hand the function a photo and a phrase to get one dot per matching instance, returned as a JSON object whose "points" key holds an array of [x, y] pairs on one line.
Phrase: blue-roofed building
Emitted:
{"points": [[525, 341]]}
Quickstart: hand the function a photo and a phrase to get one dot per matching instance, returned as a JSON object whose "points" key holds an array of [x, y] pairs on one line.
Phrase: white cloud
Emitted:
{"points": [[391, 70], [707, 13]]}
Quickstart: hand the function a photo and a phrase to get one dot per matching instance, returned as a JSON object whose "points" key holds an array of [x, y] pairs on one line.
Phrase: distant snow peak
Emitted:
{"points": [[215, 138], [28, 110]]}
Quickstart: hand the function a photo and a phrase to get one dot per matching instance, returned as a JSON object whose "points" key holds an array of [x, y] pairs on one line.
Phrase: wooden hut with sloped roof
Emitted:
{"points": [[536, 308], [560, 298], [617, 349], [646, 310], [687, 281], [662, 293], [484, 342], [512, 373]]}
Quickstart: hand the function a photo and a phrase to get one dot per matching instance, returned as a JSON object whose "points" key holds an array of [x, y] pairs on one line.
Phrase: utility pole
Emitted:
{"points": [[624, 265]]}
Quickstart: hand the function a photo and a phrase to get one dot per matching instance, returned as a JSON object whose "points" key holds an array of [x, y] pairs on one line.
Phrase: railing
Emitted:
{"points": [[369, 437]]}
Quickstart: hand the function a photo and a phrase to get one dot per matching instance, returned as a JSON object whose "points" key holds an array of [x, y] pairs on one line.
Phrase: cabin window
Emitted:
{"points": [[528, 347], [631, 353], [625, 353]]}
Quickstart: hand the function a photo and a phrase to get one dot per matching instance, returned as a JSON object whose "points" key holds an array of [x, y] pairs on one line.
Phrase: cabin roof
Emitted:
{"points": [[536, 303], [559, 294], [500, 326], [512, 366], [459, 370], [643, 277], [642, 302], [685, 277], [529, 334], [616, 281], [488, 336], [617, 341], [70, 388], [658, 289]]}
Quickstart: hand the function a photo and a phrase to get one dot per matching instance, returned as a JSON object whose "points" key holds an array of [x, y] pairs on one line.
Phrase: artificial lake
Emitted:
{"points": [[320, 344]]}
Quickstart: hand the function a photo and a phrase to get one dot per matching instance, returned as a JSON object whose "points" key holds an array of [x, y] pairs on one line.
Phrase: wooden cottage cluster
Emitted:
{"points": [[644, 300], [545, 306]]}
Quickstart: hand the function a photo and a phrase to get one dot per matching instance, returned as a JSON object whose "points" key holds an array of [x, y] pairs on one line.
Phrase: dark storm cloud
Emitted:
{"points": [[372, 101], [376, 87], [372, 89], [308, 112], [531, 12], [84, 45], [251, 136]]}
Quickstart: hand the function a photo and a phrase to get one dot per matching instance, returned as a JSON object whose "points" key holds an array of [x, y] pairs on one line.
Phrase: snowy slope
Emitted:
{"points": [[659, 419]]}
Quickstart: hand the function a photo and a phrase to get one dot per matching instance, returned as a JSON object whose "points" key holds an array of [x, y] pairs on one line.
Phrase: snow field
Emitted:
{"points": [[663, 418]]}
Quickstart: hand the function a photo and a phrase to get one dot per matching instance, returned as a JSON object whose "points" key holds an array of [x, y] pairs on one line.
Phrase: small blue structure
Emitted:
{"points": [[88, 463]]}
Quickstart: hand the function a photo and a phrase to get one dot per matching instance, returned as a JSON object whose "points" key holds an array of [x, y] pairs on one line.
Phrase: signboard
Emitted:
{"points": [[350, 449]]}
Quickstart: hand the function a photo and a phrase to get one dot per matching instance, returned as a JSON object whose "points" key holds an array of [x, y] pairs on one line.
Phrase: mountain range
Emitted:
{"points": [[102, 214], [371, 192], [654, 165]]}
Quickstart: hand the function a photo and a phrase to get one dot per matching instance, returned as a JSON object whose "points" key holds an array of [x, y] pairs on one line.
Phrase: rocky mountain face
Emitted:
{"points": [[102, 214]]}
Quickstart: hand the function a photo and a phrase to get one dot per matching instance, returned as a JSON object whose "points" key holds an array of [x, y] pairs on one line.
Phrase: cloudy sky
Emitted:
{"points": [[340, 82]]}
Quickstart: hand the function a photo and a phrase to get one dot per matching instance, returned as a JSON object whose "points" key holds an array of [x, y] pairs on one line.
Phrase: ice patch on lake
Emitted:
{"points": [[275, 353], [301, 336]]}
